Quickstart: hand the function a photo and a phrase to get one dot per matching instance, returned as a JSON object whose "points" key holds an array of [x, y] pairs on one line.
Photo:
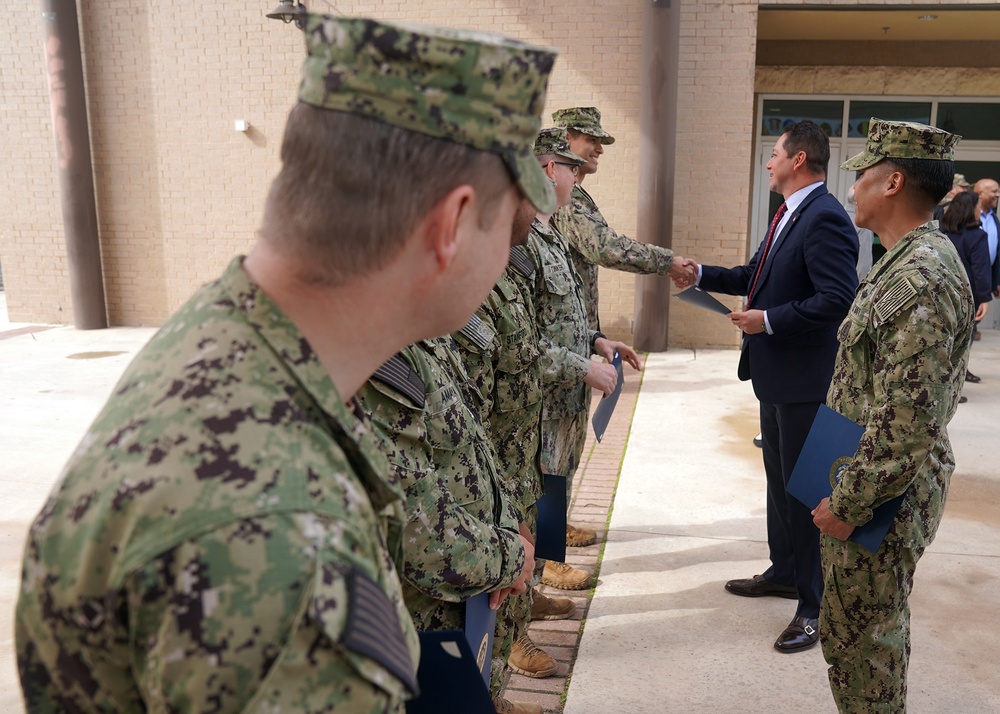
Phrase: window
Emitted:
{"points": [[861, 113], [780, 113], [973, 121]]}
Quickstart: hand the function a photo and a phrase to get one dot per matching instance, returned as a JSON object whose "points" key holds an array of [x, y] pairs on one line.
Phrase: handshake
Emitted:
{"points": [[684, 272]]}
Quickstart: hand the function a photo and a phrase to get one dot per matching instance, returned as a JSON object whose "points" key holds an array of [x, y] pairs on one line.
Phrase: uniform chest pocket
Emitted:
{"points": [[453, 432], [855, 344], [448, 421], [558, 280]]}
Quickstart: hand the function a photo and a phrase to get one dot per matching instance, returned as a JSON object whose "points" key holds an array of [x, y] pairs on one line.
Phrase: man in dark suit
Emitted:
{"points": [[799, 286], [989, 192]]}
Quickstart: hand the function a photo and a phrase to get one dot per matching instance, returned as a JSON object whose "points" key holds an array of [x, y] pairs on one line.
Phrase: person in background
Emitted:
{"points": [[989, 194], [961, 224], [958, 185]]}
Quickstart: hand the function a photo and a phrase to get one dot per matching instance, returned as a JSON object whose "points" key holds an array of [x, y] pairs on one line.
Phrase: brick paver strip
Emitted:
{"points": [[593, 495]]}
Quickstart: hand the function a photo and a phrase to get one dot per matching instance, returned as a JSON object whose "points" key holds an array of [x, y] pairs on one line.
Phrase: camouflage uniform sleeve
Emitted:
{"points": [[591, 236], [901, 349], [277, 612], [560, 364]]}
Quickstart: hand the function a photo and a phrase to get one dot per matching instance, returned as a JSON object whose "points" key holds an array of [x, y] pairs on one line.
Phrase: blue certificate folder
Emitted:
{"points": [[834, 438], [602, 415], [550, 532], [454, 671]]}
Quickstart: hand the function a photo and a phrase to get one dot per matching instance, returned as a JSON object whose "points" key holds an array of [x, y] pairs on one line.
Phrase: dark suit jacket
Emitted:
{"points": [[996, 263], [807, 285], [973, 249]]}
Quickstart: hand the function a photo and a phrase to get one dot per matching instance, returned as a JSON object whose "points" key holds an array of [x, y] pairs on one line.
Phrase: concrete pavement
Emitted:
{"points": [[661, 635]]}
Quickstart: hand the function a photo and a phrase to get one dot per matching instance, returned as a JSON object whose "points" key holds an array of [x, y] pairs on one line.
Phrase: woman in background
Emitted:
{"points": [[961, 223]]}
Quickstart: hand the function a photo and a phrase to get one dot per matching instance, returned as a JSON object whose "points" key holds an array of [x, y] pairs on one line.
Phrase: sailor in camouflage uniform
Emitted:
{"points": [[462, 536], [594, 243], [904, 348], [567, 341], [226, 537], [507, 371]]}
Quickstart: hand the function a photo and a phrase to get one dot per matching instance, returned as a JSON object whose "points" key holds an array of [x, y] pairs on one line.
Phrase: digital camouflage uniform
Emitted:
{"points": [[461, 536], [508, 373], [566, 343], [903, 356], [223, 539], [226, 517], [593, 242]]}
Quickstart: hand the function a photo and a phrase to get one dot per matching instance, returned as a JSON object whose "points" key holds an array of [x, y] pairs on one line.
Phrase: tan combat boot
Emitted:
{"points": [[565, 577], [525, 658], [550, 608], [505, 707], [579, 537]]}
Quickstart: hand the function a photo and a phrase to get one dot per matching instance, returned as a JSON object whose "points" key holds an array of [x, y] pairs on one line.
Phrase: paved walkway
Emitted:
{"points": [[659, 634], [662, 635]]}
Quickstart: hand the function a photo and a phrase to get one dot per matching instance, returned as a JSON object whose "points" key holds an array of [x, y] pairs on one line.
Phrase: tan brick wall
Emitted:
{"points": [[179, 191], [32, 253]]}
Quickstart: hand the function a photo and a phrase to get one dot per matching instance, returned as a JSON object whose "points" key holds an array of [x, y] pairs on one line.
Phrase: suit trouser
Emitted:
{"points": [[792, 537], [865, 623]]}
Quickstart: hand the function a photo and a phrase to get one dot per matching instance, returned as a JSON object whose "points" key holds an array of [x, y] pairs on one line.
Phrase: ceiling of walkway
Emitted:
{"points": [[904, 24]]}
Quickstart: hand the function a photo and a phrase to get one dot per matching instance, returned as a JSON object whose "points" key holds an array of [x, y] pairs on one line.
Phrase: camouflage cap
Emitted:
{"points": [[960, 181], [472, 88], [585, 119], [554, 140], [903, 140]]}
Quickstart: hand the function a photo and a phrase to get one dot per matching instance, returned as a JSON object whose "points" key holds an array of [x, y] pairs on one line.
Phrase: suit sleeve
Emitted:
{"points": [[979, 262], [728, 281]]}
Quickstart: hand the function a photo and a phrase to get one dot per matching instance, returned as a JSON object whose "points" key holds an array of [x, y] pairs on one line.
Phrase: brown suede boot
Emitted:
{"points": [[579, 537], [527, 659], [506, 707], [550, 608], [565, 577]]}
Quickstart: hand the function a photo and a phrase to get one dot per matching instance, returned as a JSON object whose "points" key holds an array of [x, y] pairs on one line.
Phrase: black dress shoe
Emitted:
{"points": [[758, 441], [801, 634], [757, 586], [970, 377], [963, 399]]}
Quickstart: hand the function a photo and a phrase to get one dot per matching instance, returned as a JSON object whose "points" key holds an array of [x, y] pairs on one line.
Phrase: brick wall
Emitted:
{"points": [[179, 191]]}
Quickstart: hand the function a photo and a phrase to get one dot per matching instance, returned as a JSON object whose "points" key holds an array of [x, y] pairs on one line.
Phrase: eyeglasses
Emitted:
{"points": [[575, 167]]}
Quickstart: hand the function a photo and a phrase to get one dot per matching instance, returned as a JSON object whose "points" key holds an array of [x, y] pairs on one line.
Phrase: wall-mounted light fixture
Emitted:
{"points": [[289, 11]]}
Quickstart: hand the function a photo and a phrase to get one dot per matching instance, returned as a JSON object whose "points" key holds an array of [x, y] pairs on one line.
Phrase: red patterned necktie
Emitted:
{"points": [[767, 247]]}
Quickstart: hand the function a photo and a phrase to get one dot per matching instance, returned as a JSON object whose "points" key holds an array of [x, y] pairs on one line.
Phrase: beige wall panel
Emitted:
{"points": [[180, 191], [32, 251], [714, 146]]}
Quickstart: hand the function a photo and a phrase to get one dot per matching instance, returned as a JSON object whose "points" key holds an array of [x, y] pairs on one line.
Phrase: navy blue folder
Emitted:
{"points": [[448, 677], [602, 415], [480, 625], [696, 296], [830, 445], [550, 532]]}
